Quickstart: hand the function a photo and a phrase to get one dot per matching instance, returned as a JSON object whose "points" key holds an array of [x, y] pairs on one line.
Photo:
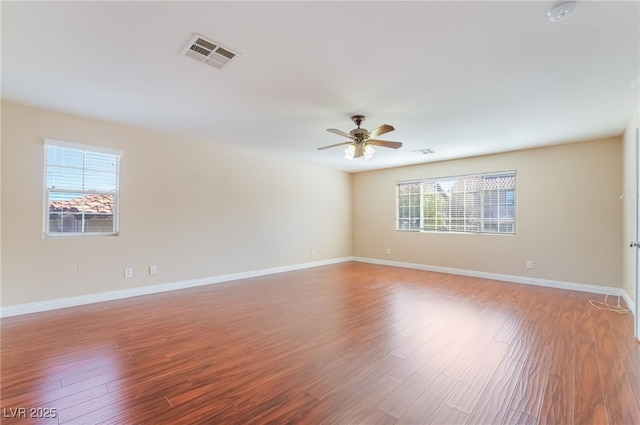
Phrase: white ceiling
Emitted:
{"points": [[461, 78]]}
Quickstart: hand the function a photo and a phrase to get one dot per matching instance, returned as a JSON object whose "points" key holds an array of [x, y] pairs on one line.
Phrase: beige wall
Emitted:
{"points": [[630, 204], [193, 208], [569, 216], [197, 209]]}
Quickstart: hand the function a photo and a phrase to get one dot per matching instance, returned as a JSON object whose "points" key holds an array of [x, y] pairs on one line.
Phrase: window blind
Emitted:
{"points": [[408, 198], [483, 203], [81, 189]]}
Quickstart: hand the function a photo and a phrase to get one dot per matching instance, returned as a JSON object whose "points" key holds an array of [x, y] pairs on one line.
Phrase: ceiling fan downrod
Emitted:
{"points": [[360, 135]]}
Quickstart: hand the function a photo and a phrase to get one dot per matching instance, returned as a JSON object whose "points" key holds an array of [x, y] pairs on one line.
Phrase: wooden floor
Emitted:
{"points": [[350, 343]]}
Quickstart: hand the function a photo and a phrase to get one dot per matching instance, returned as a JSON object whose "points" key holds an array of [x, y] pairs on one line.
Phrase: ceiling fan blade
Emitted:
{"points": [[384, 128], [386, 144], [334, 146], [339, 132]]}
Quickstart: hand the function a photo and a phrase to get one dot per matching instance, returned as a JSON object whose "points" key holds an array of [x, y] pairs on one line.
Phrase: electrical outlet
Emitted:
{"points": [[153, 270], [128, 272], [388, 251], [313, 251], [529, 264]]}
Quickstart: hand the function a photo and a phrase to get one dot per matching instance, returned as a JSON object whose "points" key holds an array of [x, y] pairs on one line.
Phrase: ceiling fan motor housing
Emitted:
{"points": [[359, 133]]}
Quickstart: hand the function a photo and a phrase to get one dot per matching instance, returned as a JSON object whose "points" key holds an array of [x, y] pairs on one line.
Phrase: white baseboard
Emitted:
{"points": [[572, 286], [632, 306], [40, 306]]}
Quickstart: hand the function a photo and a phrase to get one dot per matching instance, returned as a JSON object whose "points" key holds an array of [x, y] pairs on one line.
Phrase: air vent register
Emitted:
{"points": [[208, 52]]}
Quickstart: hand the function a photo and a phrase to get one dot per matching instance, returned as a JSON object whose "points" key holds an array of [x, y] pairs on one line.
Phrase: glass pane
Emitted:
{"points": [[99, 223], [499, 181], [64, 178], [64, 222], [101, 162], [101, 172], [80, 170], [98, 204], [71, 212], [409, 206], [99, 180], [65, 202], [67, 157]]}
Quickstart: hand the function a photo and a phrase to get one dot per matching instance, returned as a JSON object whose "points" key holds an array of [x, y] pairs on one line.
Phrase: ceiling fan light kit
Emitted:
{"points": [[350, 152], [369, 151], [362, 140], [357, 150]]}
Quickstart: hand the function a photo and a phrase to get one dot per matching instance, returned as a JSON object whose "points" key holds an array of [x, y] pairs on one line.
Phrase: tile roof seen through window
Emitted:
{"points": [[477, 183], [89, 204]]}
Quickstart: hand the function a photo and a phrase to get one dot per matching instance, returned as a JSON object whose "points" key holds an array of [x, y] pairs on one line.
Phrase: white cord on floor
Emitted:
{"points": [[608, 307]]}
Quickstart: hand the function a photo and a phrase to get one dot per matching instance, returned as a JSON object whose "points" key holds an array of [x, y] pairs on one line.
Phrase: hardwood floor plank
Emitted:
{"points": [[289, 411], [71, 400], [627, 358], [509, 330], [472, 351], [425, 409], [515, 417], [366, 402], [336, 377], [493, 405], [378, 417], [144, 411], [527, 397], [345, 343], [407, 348], [589, 402], [87, 408], [474, 383], [558, 394], [405, 367], [401, 399], [448, 414], [621, 403]]}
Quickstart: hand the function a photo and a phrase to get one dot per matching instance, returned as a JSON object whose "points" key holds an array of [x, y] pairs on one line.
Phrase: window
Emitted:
{"points": [[81, 189], [409, 206], [483, 203]]}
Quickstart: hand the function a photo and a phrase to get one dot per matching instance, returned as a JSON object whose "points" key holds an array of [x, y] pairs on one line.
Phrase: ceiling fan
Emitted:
{"points": [[362, 139]]}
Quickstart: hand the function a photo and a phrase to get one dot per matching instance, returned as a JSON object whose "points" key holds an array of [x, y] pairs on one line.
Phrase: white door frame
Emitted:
{"points": [[636, 322]]}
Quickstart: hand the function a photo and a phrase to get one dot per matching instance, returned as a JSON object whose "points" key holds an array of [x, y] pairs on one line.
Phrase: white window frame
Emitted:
{"points": [[481, 222], [83, 191]]}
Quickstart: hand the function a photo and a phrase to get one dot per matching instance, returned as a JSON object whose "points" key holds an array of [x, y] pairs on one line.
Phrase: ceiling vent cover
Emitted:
{"points": [[208, 52], [425, 151]]}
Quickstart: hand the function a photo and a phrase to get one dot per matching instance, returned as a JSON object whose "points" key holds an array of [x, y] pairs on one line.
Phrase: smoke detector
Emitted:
{"points": [[561, 10], [208, 52]]}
